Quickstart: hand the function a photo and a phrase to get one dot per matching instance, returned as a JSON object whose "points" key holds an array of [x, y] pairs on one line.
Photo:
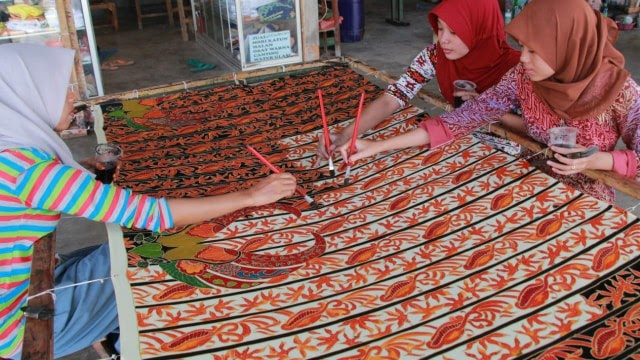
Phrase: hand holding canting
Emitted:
{"points": [[336, 140], [364, 149], [272, 188]]}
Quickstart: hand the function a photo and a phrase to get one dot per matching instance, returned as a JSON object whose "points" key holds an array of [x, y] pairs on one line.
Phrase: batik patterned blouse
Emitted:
{"points": [[421, 71], [620, 121], [35, 189]]}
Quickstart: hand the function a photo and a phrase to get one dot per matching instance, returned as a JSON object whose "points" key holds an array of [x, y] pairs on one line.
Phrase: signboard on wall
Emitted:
{"points": [[269, 46]]}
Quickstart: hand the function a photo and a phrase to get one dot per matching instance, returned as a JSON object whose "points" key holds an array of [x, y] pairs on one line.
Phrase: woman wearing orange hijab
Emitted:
{"points": [[569, 75], [471, 45]]}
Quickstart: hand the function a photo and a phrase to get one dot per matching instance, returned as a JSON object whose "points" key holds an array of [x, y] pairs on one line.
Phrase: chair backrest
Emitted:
{"points": [[322, 9]]}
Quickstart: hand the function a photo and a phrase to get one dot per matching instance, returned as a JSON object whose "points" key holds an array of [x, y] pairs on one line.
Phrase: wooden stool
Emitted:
{"points": [[140, 15], [112, 10], [336, 26], [184, 17]]}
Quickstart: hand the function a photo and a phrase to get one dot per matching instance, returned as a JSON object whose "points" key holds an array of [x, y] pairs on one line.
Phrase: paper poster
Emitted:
{"points": [[269, 46]]}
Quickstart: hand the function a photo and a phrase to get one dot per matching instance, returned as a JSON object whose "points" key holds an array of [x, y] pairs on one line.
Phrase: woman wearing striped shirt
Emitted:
{"points": [[39, 180]]}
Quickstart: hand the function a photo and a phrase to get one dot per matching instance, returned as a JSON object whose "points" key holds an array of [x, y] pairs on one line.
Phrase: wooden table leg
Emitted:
{"points": [[397, 13]]}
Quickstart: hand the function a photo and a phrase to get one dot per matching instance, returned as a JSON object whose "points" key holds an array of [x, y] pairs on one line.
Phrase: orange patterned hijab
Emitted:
{"points": [[577, 43]]}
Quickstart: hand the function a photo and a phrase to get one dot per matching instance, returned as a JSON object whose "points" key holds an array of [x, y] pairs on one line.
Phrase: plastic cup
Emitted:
{"points": [[462, 85], [563, 136], [107, 157]]}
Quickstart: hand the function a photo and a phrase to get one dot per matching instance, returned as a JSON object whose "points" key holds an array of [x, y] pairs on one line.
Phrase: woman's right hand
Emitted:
{"points": [[321, 152], [272, 188], [364, 149]]}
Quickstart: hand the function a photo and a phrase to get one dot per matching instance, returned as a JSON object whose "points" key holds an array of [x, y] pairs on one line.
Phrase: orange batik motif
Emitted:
{"points": [[459, 252]]}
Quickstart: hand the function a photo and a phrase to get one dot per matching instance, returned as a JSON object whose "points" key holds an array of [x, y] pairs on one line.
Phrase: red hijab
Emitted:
{"points": [[577, 43], [480, 26]]}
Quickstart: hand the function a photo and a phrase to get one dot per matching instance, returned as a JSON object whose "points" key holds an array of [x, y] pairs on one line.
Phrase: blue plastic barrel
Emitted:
{"points": [[352, 27]]}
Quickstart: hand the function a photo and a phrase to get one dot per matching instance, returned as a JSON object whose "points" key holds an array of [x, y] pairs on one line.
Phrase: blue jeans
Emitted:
{"points": [[85, 313]]}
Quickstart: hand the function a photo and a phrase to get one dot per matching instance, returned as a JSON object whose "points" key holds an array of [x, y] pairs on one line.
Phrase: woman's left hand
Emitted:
{"points": [[565, 165], [89, 164], [466, 95]]}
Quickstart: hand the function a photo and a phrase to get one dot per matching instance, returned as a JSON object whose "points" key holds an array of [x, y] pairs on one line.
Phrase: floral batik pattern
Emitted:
{"points": [[458, 252]]}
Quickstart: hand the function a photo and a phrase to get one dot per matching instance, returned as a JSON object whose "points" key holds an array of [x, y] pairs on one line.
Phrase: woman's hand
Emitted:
{"points": [[568, 163], [272, 188], [364, 148], [337, 140], [372, 115], [466, 95], [92, 165], [89, 164], [321, 152]]}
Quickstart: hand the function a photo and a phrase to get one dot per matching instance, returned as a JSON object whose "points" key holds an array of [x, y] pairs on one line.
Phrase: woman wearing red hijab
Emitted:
{"points": [[569, 75], [471, 45]]}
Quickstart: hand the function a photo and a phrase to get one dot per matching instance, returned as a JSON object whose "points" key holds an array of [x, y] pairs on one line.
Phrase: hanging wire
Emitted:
{"points": [[631, 209], [112, 357], [53, 295]]}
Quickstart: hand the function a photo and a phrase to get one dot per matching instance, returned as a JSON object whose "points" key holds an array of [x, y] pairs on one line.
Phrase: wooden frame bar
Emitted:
{"points": [[38, 334], [239, 77]]}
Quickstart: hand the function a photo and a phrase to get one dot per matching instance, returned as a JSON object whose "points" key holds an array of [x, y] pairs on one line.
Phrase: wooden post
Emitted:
{"points": [[310, 46], [38, 334]]}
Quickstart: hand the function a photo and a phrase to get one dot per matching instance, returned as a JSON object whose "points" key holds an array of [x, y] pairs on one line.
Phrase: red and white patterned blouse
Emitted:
{"points": [[421, 71]]}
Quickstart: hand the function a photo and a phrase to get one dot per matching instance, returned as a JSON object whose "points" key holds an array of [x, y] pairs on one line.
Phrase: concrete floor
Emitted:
{"points": [[160, 58]]}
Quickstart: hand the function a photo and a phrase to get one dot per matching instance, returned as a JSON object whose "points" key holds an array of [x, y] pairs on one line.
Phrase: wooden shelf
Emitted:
{"points": [[22, 34]]}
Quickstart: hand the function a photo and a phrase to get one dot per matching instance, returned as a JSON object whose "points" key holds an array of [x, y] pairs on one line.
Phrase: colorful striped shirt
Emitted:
{"points": [[35, 188]]}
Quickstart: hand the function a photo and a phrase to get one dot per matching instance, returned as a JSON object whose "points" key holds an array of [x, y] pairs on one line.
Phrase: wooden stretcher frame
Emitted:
{"points": [[36, 345], [41, 347]]}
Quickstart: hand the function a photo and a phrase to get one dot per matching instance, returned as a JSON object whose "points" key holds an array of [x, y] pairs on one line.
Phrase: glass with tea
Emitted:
{"points": [[462, 85], [107, 157]]}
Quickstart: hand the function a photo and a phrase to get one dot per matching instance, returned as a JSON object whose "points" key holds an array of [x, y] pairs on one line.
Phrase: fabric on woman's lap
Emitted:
{"points": [[86, 313]]}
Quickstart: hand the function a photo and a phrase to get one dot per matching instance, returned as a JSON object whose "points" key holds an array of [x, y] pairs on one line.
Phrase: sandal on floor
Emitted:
{"points": [[107, 66], [202, 67], [120, 62], [193, 62]]}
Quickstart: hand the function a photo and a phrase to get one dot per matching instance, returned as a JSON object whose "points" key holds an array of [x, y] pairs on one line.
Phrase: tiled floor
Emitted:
{"points": [[160, 58]]}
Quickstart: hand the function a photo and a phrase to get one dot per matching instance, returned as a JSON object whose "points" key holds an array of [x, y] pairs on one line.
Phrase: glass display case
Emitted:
{"points": [[251, 33], [55, 23], [88, 49]]}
